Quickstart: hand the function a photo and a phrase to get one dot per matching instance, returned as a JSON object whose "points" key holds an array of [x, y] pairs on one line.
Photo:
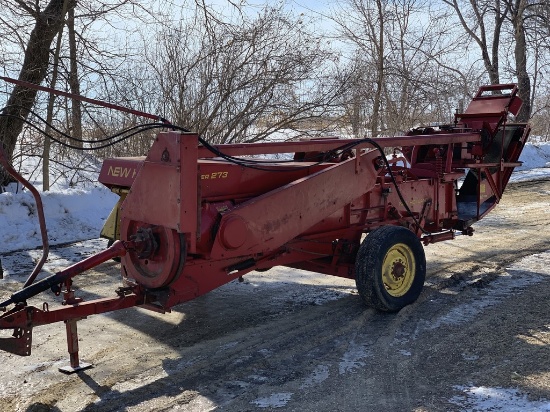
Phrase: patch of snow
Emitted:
{"points": [[497, 399], [501, 288], [535, 155], [257, 378], [530, 174], [524, 273], [265, 352], [18, 265], [353, 358], [140, 381], [517, 279], [229, 345], [319, 375], [276, 400]]}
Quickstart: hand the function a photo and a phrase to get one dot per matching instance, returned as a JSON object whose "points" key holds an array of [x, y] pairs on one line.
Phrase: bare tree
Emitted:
{"points": [[74, 83], [86, 53], [47, 24], [515, 25], [49, 113], [482, 21], [364, 24], [241, 79], [398, 65]]}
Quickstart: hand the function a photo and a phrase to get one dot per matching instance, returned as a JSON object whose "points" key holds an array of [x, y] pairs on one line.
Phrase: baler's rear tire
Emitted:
{"points": [[390, 268]]}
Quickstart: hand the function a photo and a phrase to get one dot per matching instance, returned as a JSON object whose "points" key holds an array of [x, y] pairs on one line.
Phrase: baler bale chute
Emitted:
{"points": [[193, 216]]}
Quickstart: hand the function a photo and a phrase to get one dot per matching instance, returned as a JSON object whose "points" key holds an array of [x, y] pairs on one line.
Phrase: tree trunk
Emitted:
{"points": [[34, 68], [520, 54], [76, 114], [380, 73], [49, 116]]}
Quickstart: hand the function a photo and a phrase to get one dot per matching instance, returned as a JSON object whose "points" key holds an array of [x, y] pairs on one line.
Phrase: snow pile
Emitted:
{"points": [[71, 215], [535, 156], [75, 208], [536, 162]]}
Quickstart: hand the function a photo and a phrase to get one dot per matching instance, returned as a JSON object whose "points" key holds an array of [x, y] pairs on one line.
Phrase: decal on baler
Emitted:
{"points": [[215, 175], [119, 171]]}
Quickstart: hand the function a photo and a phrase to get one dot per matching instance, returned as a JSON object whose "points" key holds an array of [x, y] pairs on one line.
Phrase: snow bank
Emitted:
{"points": [[71, 215], [535, 155]]}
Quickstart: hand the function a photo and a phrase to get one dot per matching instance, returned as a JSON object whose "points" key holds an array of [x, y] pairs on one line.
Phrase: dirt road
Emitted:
{"points": [[478, 337]]}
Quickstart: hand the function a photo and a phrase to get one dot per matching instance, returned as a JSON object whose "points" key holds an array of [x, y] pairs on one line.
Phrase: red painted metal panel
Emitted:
{"points": [[188, 187], [222, 180], [282, 214], [164, 191], [155, 196]]}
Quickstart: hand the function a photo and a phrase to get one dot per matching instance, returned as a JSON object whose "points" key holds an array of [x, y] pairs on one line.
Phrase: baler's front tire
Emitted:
{"points": [[390, 268]]}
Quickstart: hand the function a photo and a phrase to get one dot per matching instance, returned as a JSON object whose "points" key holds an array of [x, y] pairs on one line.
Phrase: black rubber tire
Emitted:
{"points": [[369, 268]]}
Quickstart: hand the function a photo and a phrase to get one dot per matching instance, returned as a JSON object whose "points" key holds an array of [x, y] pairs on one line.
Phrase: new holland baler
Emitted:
{"points": [[193, 216]]}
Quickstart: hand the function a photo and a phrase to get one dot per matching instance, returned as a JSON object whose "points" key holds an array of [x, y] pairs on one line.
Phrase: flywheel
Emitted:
{"points": [[160, 259]]}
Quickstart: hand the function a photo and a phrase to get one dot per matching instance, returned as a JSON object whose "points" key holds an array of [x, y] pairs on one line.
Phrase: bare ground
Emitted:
{"points": [[299, 341]]}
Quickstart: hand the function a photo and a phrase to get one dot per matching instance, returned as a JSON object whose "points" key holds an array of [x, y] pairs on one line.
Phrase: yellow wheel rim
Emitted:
{"points": [[398, 270]]}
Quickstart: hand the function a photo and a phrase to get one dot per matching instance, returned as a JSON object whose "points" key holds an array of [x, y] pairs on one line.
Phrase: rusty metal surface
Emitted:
{"points": [[278, 216]]}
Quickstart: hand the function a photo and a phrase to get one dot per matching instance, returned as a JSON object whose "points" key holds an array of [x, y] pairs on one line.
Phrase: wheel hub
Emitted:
{"points": [[398, 270]]}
